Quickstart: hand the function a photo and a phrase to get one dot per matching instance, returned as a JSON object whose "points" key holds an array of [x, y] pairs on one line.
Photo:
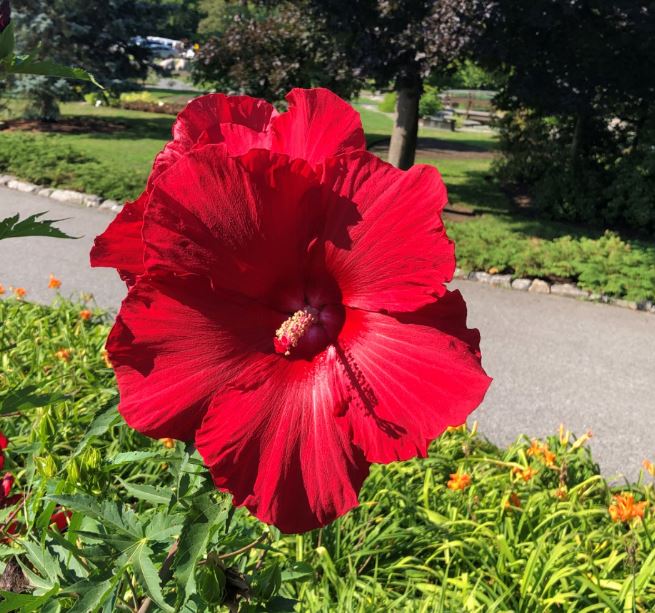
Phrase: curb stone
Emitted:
{"points": [[67, 196], [539, 286]]}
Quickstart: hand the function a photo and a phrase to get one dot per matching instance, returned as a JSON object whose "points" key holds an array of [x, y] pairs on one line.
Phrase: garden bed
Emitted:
{"points": [[531, 527]]}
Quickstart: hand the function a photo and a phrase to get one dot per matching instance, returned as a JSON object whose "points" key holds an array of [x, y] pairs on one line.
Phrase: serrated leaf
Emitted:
{"points": [[135, 456], [24, 602], [21, 64], [149, 493], [93, 595], [201, 518], [14, 227], [149, 576]]}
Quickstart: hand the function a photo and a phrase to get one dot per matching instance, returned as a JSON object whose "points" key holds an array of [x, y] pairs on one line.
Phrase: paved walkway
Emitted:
{"points": [[554, 359]]}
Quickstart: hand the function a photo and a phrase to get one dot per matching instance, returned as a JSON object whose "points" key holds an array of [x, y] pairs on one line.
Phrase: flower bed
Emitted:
{"points": [[530, 527]]}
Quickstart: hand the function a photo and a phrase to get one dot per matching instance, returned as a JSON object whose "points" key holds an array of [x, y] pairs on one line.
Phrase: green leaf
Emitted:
{"points": [[24, 602], [7, 41], [98, 427], [149, 493], [12, 227], [26, 398], [146, 570], [22, 64], [135, 456], [202, 517], [93, 593]]}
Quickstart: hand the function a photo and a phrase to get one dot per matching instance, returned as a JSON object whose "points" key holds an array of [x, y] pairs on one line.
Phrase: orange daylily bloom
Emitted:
{"points": [[649, 467], [536, 448], [54, 283], [526, 473], [549, 457], [459, 481], [624, 508], [19, 292], [169, 443], [2, 289], [85, 314], [63, 354]]}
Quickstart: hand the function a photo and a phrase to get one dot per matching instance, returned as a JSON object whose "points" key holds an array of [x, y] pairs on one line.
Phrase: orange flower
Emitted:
{"points": [[169, 443], [525, 473], [536, 449], [85, 314], [19, 292], [624, 508], [2, 289], [459, 481], [512, 501], [560, 493], [459, 428], [649, 467], [54, 283], [549, 457], [63, 354]]}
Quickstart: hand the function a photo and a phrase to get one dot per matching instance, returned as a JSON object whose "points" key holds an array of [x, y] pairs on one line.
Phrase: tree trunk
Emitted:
{"points": [[402, 149]]}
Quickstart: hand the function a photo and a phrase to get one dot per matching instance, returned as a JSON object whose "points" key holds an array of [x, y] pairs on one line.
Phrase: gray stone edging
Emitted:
{"points": [[67, 196], [538, 286]]}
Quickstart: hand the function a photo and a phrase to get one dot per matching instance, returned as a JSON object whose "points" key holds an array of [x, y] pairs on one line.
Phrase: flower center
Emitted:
{"points": [[288, 335]]}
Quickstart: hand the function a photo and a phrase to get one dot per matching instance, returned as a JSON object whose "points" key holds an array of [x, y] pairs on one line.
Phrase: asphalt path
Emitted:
{"points": [[554, 360]]}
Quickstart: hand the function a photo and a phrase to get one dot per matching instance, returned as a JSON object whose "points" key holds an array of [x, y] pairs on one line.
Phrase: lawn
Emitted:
{"points": [[115, 164]]}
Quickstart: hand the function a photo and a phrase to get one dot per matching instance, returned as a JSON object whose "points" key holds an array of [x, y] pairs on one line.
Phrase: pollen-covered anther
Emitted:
{"points": [[288, 335]]}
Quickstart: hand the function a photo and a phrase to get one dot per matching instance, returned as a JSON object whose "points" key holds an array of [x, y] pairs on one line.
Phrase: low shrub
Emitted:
{"points": [[605, 265], [388, 104], [533, 527]]}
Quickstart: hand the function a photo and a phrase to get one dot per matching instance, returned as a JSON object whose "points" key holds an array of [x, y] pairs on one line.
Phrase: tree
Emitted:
{"points": [[579, 94], [401, 43], [265, 51], [97, 36]]}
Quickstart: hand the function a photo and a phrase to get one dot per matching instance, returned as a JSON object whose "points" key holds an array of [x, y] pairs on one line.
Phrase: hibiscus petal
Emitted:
{"points": [[241, 123], [278, 449], [407, 382], [120, 246], [246, 222], [317, 125], [175, 344], [398, 255]]}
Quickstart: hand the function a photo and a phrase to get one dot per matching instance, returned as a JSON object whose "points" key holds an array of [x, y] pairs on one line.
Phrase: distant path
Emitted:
{"points": [[553, 359]]}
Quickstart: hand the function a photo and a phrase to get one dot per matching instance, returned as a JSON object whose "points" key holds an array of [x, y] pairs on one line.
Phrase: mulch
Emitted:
{"points": [[68, 125]]}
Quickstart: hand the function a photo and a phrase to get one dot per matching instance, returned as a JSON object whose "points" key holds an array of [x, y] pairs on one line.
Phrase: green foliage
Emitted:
{"points": [[50, 161], [430, 103], [607, 264], [267, 50], [506, 542], [581, 171], [388, 104]]}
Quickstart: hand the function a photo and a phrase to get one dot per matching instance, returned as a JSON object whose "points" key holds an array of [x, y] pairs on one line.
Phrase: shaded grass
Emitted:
{"points": [[116, 165]]}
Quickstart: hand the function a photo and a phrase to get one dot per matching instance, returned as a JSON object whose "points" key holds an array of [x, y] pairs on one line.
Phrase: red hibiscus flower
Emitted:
{"points": [[287, 308], [3, 445]]}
